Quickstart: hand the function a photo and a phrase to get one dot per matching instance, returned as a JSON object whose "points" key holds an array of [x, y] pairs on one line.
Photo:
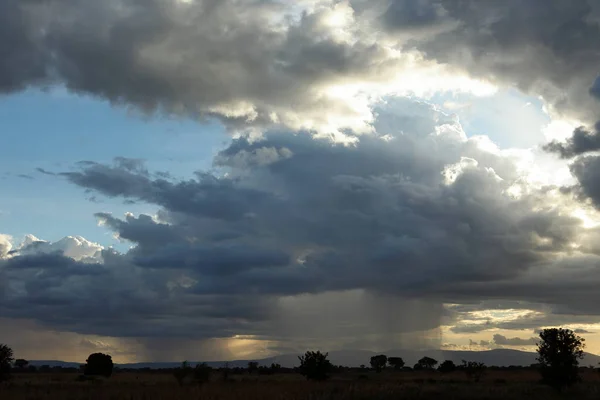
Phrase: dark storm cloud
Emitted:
{"points": [[583, 141], [585, 169], [204, 196], [504, 341], [417, 211], [248, 63], [264, 62], [595, 89], [544, 47]]}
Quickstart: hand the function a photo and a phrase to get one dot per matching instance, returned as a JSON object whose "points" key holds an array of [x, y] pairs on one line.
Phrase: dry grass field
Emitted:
{"points": [[345, 386]]}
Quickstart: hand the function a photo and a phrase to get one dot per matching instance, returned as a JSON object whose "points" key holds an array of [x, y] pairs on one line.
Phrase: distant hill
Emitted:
{"points": [[55, 363], [354, 358]]}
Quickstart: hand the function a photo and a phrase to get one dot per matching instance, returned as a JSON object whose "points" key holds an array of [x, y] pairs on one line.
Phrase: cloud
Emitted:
{"points": [[504, 341], [595, 89], [483, 343], [547, 48], [292, 229], [315, 65], [583, 141], [5, 245], [45, 172], [586, 172], [249, 64]]}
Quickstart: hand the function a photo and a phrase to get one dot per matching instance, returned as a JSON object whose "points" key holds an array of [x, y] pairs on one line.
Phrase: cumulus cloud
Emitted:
{"points": [[314, 65], [583, 141], [375, 235], [75, 247], [547, 48], [251, 64], [5, 245]]}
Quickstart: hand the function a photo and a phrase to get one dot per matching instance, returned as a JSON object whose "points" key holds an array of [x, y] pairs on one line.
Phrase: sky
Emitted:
{"points": [[219, 180]]}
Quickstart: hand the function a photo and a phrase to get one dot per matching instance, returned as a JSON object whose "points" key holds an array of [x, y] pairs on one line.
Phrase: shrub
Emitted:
{"points": [[315, 366], [98, 364], [202, 373], [474, 370], [182, 372], [447, 366]]}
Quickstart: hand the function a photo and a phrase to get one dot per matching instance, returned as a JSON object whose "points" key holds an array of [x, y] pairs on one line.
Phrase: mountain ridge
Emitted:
{"points": [[355, 358]]}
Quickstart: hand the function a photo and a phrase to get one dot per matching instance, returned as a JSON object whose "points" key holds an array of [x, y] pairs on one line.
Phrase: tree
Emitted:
{"points": [[98, 364], [447, 366], [474, 370], [6, 359], [315, 366], [426, 363], [559, 352], [202, 373], [182, 372], [21, 363], [225, 371], [378, 362], [396, 362], [275, 367], [252, 366]]}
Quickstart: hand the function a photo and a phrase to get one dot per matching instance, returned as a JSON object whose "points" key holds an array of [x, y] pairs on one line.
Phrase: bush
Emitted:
{"points": [[315, 366], [182, 372], [447, 366], [202, 373], [98, 364], [474, 370]]}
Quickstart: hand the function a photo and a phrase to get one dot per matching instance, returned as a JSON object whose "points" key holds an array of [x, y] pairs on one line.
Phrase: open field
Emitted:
{"points": [[343, 386]]}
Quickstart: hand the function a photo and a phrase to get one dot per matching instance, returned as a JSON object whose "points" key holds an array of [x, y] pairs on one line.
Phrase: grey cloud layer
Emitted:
{"points": [[544, 47], [264, 62], [583, 141], [416, 212], [504, 341], [246, 62]]}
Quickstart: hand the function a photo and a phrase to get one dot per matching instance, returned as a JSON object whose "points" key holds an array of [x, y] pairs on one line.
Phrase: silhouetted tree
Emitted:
{"points": [[275, 367], [182, 372], [252, 366], [559, 352], [6, 359], [315, 365], [426, 363], [21, 363], [396, 362], [378, 362], [225, 370], [447, 366], [98, 364], [474, 370], [202, 373]]}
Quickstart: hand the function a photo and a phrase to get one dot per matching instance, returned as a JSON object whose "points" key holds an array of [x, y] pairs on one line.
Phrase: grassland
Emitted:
{"points": [[344, 386]]}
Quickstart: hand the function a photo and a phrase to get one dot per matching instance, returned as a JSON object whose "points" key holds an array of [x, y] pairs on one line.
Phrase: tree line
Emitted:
{"points": [[559, 352]]}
